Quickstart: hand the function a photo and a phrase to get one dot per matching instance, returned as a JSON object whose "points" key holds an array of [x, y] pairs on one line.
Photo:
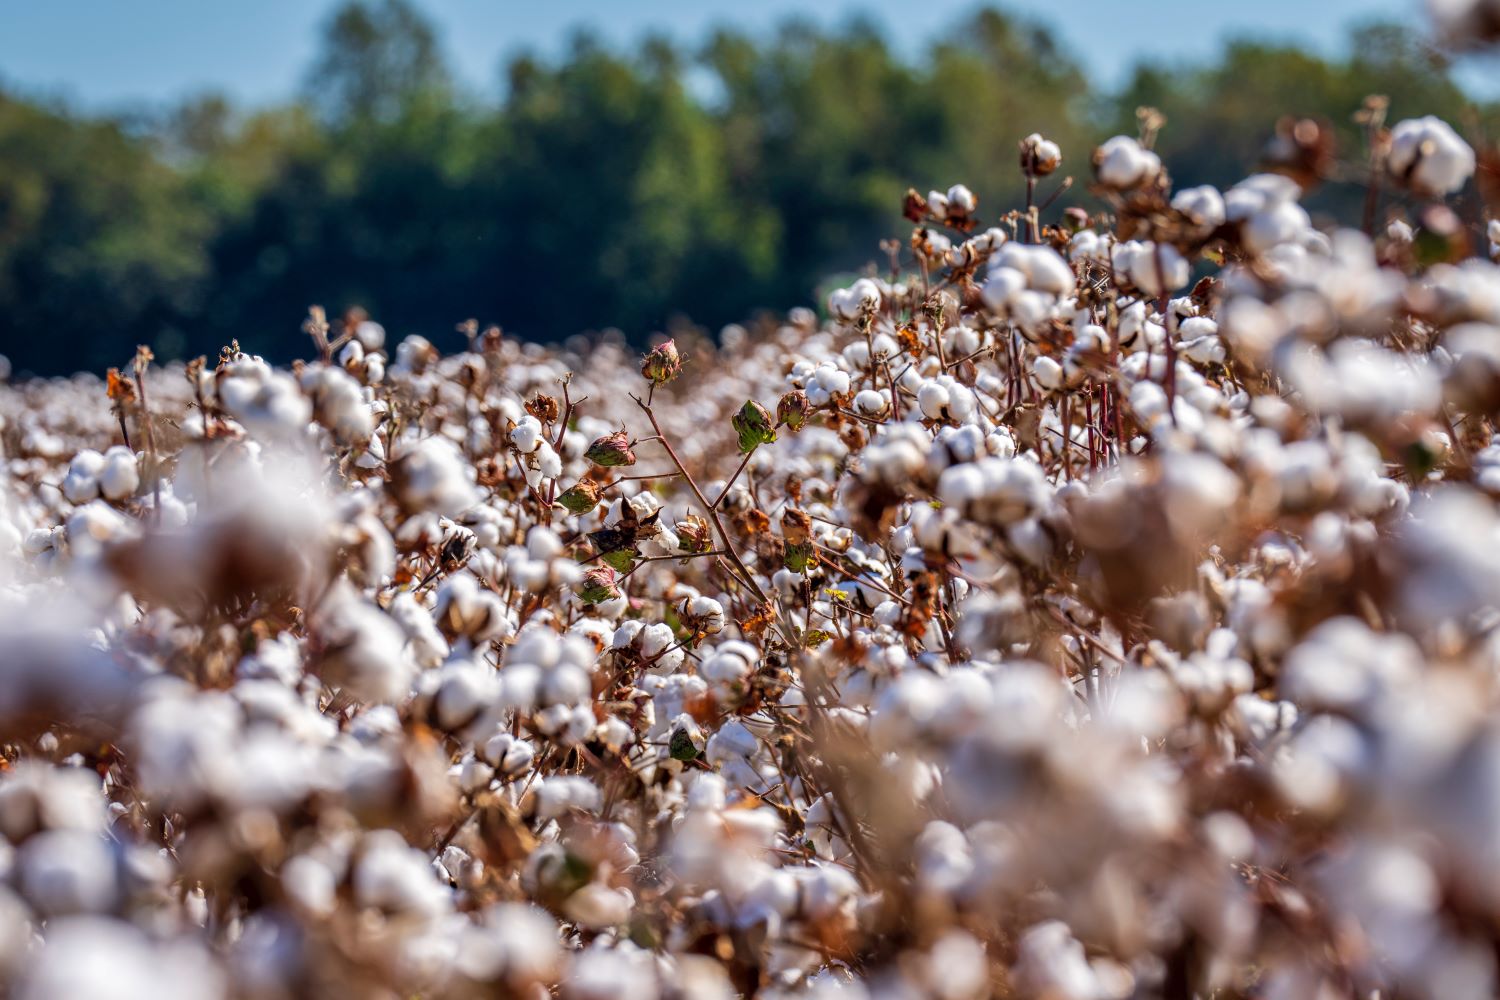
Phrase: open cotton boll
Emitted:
{"points": [[729, 666], [1203, 205], [1266, 209], [596, 906], [825, 382], [1087, 244], [338, 403], [705, 614], [1154, 268], [611, 974], [870, 402], [432, 476], [960, 199], [1039, 156], [1427, 154], [1047, 372], [465, 609], [945, 398], [94, 958], [35, 796], [527, 435], [466, 691], [1122, 163], [81, 484], [365, 650], [62, 872], [118, 476], [995, 490], [391, 877], [93, 527], [1052, 963], [558, 795], [507, 754], [1044, 269], [861, 298]]}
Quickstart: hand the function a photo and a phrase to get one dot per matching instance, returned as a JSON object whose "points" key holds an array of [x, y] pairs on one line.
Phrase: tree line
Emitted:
{"points": [[608, 187]]}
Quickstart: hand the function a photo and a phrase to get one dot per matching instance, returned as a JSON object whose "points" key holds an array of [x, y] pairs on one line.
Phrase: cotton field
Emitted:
{"points": [[1081, 611]]}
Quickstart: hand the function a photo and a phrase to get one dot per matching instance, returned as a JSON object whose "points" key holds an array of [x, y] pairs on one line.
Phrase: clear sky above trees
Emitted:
{"points": [[108, 53]]}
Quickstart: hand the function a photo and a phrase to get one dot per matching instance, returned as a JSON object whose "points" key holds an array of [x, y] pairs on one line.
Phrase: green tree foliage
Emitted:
{"points": [[379, 58], [97, 240], [603, 187]]}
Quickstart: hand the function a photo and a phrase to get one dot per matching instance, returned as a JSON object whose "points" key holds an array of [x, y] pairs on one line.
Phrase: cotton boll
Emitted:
{"points": [[36, 796], [92, 958], [608, 974], [705, 613], [1279, 224], [391, 877], [433, 476], [558, 795], [1050, 962], [597, 907], [1427, 154], [944, 398], [81, 484], [94, 527], [1044, 268], [465, 692], [729, 666], [1265, 207], [338, 403], [1154, 268], [118, 476], [1122, 163], [365, 650], [1047, 372], [1203, 205], [509, 755], [960, 199], [994, 491], [861, 298], [63, 872], [1088, 245], [527, 435], [933, 399], [464, 609], [870, 403], [1039, 156], [825, 383]]}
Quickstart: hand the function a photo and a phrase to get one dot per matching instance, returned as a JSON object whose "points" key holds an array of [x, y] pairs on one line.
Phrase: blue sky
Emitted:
{"points": [[116, 54]]}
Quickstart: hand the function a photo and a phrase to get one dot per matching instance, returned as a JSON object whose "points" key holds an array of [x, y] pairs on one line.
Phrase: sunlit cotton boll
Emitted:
{"points": [[996, 491], [338, 403], [861, 298], [1427, 154], [433, 476], [870, 403], [364, 650], [68, 871], [1122, 163], [119, 476], [1203, 205], [1154, 268], [93, 958], [81, 484], [1265, 207]]}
